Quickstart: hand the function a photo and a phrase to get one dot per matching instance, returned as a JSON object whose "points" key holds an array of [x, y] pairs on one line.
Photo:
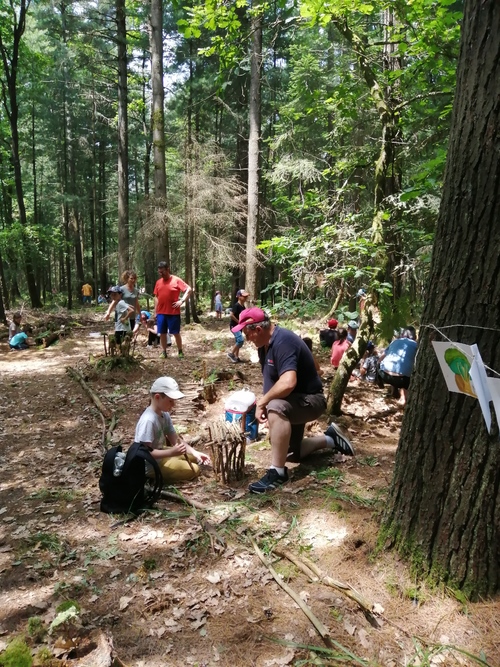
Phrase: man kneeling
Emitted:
{"points": [[293, 395], [179, 461]]}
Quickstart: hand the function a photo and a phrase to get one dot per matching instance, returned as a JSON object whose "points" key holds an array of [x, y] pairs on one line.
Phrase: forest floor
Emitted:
{"points": [[179, 586]]}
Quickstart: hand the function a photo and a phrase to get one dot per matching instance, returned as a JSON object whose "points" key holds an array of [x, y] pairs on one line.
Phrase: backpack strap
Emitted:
{"points": [[144, 453]]}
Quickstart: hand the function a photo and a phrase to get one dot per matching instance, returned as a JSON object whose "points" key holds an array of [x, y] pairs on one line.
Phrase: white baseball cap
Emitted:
{"points": [[166, 385]]}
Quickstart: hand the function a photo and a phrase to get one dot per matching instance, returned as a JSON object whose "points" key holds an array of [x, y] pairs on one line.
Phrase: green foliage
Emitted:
{"points": [[68, 604], [36, 628], [17, 654], [44, 656], [395, 315], [65, 616]]}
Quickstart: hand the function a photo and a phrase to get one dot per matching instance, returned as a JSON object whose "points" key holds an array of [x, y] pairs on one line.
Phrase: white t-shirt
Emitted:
{"points": [[13, 329], [153, 428], [120, 309]]}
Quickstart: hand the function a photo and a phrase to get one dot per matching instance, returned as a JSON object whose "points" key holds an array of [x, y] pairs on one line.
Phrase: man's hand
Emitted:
{"points": [[202, 459], [261, 411]]}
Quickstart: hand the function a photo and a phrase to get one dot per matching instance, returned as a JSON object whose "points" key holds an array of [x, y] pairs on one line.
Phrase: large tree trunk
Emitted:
{"points": [[158, 128], [253, 155], [10, 59], [444, 504], [123, 198]]}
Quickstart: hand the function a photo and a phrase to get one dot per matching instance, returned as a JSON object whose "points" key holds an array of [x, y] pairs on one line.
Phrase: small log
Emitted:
{"points": [[51, 338]]}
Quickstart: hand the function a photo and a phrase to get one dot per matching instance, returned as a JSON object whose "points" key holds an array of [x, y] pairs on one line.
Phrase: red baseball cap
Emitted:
{"points": [[332, 323], [250, 316]]}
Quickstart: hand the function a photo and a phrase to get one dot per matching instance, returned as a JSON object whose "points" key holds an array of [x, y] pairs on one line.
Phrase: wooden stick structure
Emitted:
{"points": [[227, 443]]}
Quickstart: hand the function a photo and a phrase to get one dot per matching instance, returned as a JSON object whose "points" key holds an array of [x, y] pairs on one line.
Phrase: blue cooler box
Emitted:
{"points": [[251, 428]]}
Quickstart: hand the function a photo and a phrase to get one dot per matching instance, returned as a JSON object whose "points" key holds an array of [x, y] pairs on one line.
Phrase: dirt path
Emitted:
{"points": [[178, 587]]}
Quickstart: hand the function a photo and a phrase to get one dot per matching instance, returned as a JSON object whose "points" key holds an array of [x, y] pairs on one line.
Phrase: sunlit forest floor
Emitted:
{"points": [[179, 586]]}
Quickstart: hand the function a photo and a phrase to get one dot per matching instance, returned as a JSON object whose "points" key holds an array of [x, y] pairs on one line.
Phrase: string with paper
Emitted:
{"points": [[465, 373]]}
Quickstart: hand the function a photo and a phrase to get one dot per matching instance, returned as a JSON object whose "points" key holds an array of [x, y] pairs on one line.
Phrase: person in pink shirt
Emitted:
{"points": [[339, 347]]}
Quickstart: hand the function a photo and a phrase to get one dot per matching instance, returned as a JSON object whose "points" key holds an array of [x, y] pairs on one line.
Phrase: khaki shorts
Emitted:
{"points": [[176, 469], [298, 409]]}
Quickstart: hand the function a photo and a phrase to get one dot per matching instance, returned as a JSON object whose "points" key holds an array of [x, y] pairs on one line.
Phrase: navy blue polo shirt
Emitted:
{"points": [[288, 352]]}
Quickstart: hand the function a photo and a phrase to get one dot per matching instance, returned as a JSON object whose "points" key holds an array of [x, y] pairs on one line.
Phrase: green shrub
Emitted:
{"points": [[17, 654]]}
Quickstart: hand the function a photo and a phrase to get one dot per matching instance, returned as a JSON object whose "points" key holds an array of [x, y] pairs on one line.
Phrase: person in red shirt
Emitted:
{"points": [[168, 302], [339, 347]]}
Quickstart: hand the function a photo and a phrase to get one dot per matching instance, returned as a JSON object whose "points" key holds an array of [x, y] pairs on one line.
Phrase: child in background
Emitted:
{"points": [[218, 305], [153, 335], [339, 347], [18, 339], [178, 461], [309, 344], [15, 325], [368, 365], [327, 337], [123, 313]]}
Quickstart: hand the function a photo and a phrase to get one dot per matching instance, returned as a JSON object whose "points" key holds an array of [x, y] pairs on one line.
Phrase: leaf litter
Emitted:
{"points": [[160, 586]]}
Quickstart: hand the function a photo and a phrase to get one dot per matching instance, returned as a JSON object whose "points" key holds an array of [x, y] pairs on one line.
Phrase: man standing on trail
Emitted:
{"points": [[87, 293], [293, 395], [168, 302]]}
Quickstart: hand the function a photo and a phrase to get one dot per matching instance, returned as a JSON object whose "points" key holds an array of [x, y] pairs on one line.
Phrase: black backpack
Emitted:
{"points": [[127, 493]]}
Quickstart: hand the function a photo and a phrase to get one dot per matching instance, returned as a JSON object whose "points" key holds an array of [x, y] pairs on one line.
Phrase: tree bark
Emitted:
{"points": [[123, 196], [253, 156], [158, 128], [444, 504], [10, 61]]}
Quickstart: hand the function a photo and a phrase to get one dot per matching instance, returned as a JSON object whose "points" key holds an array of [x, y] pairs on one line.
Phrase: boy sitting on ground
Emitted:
{"points": [[18, 339], [368, 364], [178, 461]]}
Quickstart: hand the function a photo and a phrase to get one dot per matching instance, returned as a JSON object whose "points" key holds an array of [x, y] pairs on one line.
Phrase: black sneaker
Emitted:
{"points": [[342, 444], [271, 480], [231, 356]]}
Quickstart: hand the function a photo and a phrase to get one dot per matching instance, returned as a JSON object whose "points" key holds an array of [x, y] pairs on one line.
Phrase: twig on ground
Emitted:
{"points": [[321, 629], [178, 497], [311, 570], [96, 400]]}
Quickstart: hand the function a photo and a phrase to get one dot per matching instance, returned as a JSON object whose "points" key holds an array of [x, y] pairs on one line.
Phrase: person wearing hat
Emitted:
{"points": [[327, 337], [168, 302], [352, 330], [292, 396], [361, 295], [241, 296], [123, 313], [178, 461]]}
